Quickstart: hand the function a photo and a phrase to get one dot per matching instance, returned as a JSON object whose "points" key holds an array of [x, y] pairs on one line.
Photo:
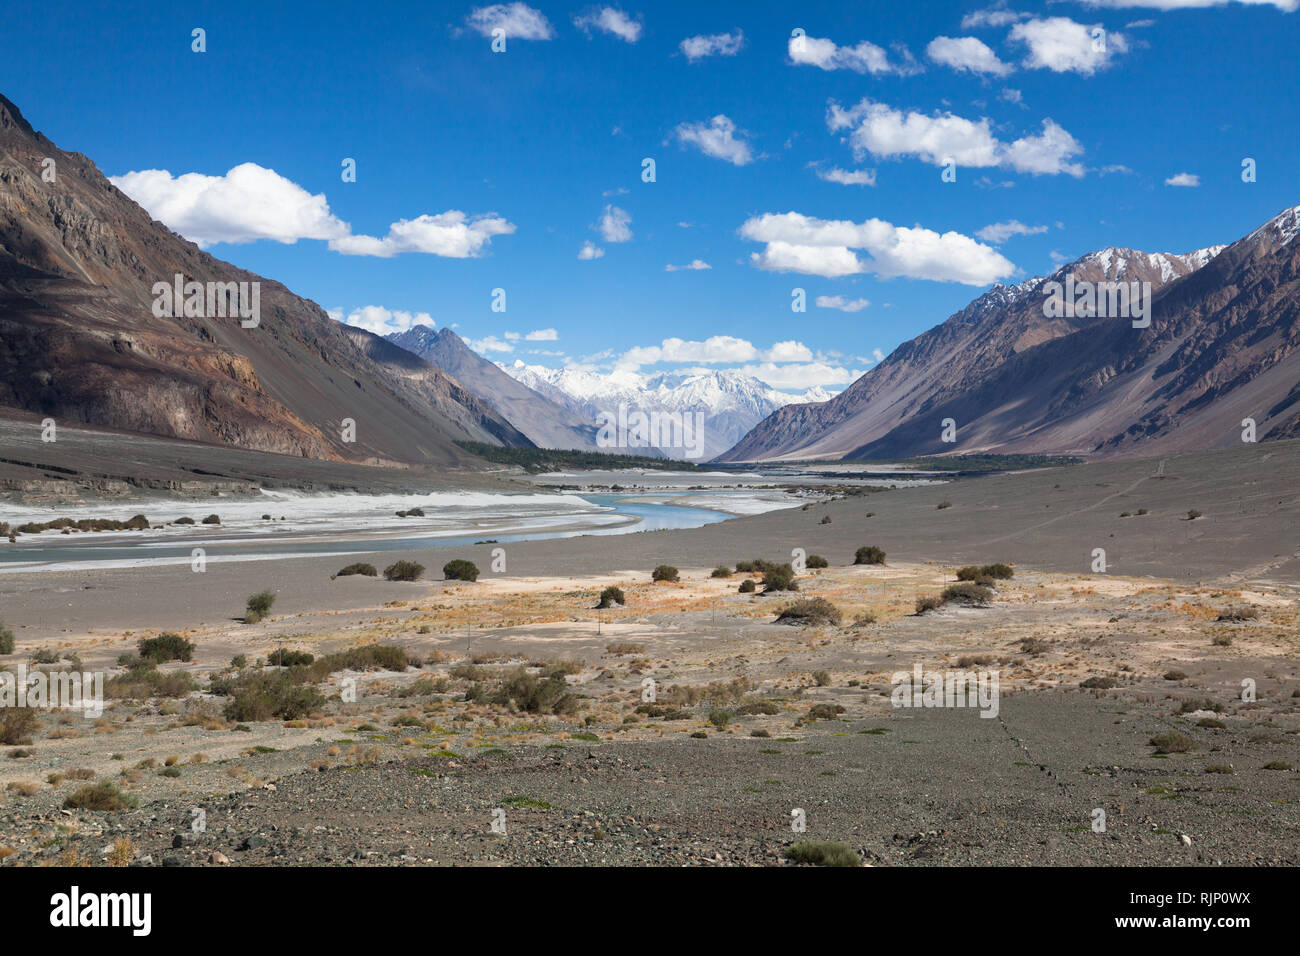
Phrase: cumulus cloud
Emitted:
{"points": [[695, 265], [451, 234], [717, 138], [999, 232], [518, 20], [881, 130], [998, 15], [248, 203], [615, 225], [966, 53], [1061, 45], [609, 20], [1183, 179], [382, 321], [714, 44], [828, 248], [847, 177], [251, 203], [841, 303], [717, 349], [866, 57], [590, 250], [1286, 6], [489, 344]]}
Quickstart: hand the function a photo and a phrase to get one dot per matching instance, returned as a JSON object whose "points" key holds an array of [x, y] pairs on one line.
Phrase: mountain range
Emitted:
{"points": [[1222, 346]]}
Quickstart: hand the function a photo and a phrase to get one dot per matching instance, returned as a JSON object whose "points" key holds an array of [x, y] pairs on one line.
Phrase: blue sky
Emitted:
{"points": [[504, 166]]}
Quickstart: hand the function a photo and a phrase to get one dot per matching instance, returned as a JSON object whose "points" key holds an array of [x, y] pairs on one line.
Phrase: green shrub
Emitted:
{"points": [[822, 853], [212, 519], [239, 661], [536, 694], [411, 513], [259, 605], [720, 717], [721, 571], [1193, 514], [460, 570], [816, 561], [779, 579], [928, 602], [359, 568], [102, 796], [166, 647], [611, 596], [985, 574], [6, 639], [824, 711], [403, 571], [1173, 743], [748, 586], [665, 572], [282, 658], [869, 554], [810, 611], [266, 696], [967, 593], [183, 521], [18, 725], [751, 707]]}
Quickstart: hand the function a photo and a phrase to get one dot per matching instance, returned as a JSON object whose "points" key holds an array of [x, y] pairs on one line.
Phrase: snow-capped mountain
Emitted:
{"points": [[731, 403]]}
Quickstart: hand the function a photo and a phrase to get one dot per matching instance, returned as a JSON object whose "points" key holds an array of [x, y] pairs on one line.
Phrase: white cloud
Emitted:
{"points": [[1286, 6], [248, 203], [615, 225], [841, 303], [590, 250], [966, 53], [716, 44], [848, 177], [866, 57], [717, 139], [1061, 45], [695, 265], [489, 344], [609, 20], [880, 130], [798, 243], [1000, 232], [518, 20], [542, 335], [382, 321], [451, 234], [997, 15], [718, 349], [800, 376], [1011, 96], [1183, 179]]}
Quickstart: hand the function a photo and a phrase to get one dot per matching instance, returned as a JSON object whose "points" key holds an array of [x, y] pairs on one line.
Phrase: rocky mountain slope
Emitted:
{"points": [[79, 340], [545, 422], [1221, 347]]}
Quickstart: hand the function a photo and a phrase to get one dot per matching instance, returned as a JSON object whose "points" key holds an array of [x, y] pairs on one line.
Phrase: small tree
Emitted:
{"points": [[869, 554], [611, 596], [460, 570], [665, 572], [259, 605]]}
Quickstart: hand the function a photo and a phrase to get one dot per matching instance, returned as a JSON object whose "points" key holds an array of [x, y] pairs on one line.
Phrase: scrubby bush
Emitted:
{"points": [[981, 574], [752, 707], [1098, 683], [779, 579], [359, 568], [6, 639], [721, 571], [869, 554], [665, 572], [748, 586], [822, 853], [1237, 613], [611, 596], [826, 519], [282, 658], [942, 505], [166, 647], [536, 694], [460, 570], [967, 593], [1173, 743], [720, 717], [104, 796], [270, 695], [411, 513], [259, 605], [212, 519], [810, 611], [816, 561], [824, 711], [1193, 514], [403, 571], [18, 725], [928, 602], [183, 520]]}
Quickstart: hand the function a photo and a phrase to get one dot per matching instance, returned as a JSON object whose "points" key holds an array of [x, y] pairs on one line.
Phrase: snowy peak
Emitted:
{"points": [[1279, 230]]}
